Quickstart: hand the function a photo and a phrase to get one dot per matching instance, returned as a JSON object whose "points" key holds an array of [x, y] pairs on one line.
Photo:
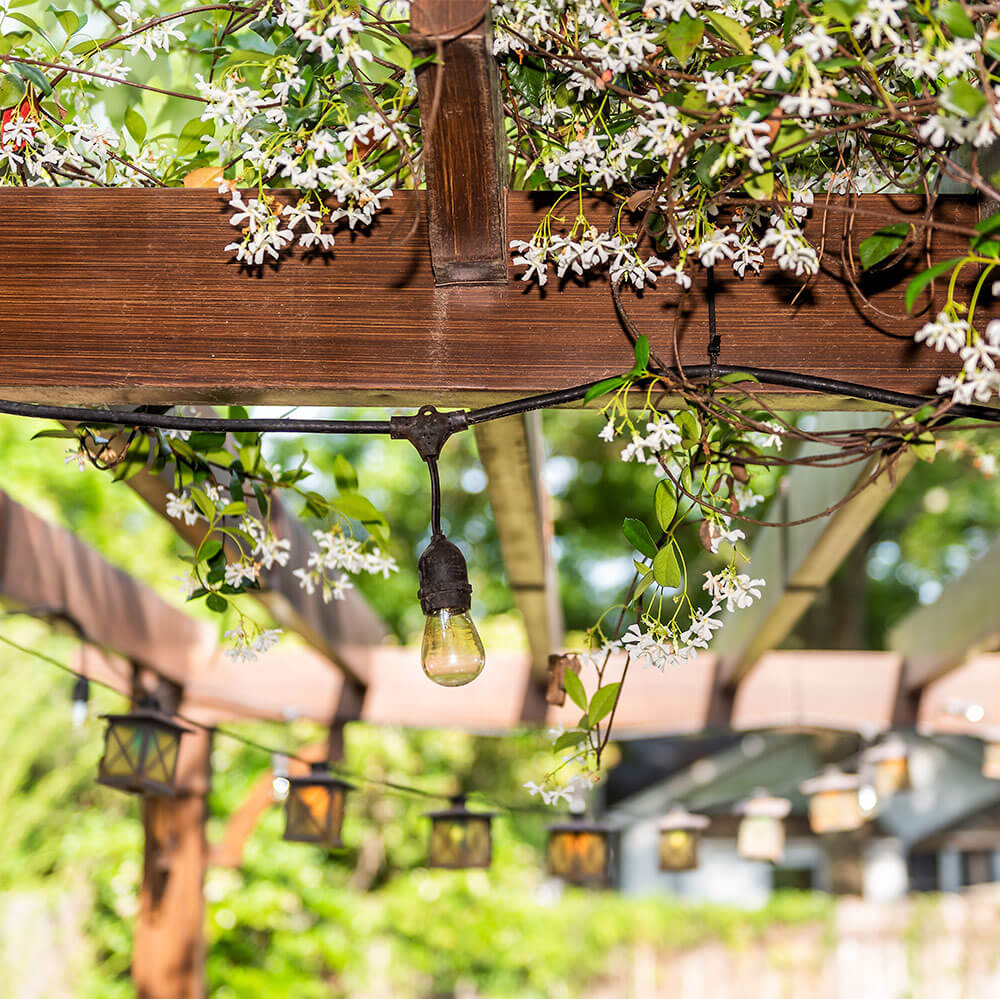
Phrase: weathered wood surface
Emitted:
{"points": [[465, 149], [127, 295]]}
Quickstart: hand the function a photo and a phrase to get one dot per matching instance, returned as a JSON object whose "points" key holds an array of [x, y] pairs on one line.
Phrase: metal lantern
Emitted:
{"points": [[460, 838], [761, 834], [833, 801], [580, 852], [679, 835], [888, 764], [140, 752], [314, 808]]}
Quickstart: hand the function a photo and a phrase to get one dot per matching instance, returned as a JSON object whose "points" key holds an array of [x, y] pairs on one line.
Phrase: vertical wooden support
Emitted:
{"points": [[168, 961], [464, 156]]}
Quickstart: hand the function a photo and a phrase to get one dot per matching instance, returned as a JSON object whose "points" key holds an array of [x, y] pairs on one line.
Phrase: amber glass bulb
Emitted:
{"points": [[451, 653]]}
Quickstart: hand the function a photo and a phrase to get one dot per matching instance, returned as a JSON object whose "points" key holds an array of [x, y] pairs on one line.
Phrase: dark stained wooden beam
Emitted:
{"points": [[465, 149], [127, 296]]}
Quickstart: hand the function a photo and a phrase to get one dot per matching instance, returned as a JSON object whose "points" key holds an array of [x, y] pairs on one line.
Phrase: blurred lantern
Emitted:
{"points": [[762, 832], [460, 838], [580, 852], [314, 808], [679, 835], [888, 764], [833, 801], [991, 757], [140, 752]]}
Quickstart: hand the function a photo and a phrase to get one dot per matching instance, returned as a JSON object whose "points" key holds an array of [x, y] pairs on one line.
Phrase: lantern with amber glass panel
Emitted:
{"points": [[833, 801], [314, 808], [761, 834], [460, 838], [888, 765], [680, 832], [140, 752], [580, 852]]}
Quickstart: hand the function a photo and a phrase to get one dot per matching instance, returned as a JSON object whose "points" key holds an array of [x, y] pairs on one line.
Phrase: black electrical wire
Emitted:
{"points": [[545, 400], [387, 785]]}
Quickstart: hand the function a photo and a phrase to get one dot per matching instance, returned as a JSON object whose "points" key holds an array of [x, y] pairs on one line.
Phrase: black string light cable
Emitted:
{"points": [[408, 426], [394, 787]]}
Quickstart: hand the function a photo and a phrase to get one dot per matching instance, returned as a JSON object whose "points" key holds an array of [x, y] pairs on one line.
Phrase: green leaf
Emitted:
{"points": [[355, 506], [644, 584], [957, 21], [638, 536], [69, 20], [882, 244], [568, 739], [14, 40], [192, 138], [963, 99], [234, 509], [32, 75], [136, 125], [730, 31], [683, 37], [344, 475], [61, 434], [760, 186], [574, 687], [690, 428], [11, 88], [641, 354], [209, 549], [602, 702], [917, 285], [204, 504], [603, 388], [217, 602], [666, 571], [666, 505]]}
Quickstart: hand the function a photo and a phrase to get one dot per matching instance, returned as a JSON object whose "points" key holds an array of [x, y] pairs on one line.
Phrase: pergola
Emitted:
{"points": [[137, 279]]}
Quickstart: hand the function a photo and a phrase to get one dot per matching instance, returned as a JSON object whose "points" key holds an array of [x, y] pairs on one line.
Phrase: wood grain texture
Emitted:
{"points": [[127, 296], [465, 149]]}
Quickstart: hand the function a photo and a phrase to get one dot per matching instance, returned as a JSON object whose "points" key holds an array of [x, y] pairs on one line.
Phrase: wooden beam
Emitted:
{"points": [[964, 620], [47, 571], [465, 149], [797, 562], [511, 451], [98, 269], [168, 959]]}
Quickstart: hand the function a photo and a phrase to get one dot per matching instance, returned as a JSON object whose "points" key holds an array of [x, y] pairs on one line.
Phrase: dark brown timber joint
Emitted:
{"points": [[465, 149]]}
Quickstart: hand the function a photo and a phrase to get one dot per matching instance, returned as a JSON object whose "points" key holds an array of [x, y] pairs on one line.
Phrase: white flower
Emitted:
{"points": [[774, 64], [944, 333], [182, 508]]}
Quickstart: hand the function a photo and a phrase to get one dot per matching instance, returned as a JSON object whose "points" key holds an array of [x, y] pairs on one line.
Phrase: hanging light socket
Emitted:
{"points": [[444, 578]]}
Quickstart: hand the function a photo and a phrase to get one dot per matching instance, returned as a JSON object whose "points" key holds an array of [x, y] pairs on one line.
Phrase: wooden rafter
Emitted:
{"points": [[797, 562], [511, 451], [146, 268]]}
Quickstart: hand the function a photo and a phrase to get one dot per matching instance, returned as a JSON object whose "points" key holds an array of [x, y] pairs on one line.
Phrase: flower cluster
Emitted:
{"points": [[338, 554]]}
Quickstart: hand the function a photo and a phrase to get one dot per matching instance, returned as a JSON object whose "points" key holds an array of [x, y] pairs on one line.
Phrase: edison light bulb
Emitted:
{"points": [[451, 653]]}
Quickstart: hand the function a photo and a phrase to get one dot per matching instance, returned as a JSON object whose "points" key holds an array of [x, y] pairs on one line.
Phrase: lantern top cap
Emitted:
{"points": [[892, 747], [457, 810], [680, 818], [318, 774], [578, 822], [764, 805], [148, 716], [831, 779]]}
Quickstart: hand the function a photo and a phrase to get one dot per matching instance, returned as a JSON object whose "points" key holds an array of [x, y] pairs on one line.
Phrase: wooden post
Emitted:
{"points": [[464, 154], [168, 961]]}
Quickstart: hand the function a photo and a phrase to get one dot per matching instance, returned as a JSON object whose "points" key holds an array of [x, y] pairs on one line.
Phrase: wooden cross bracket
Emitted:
{"points": [[464, 157]]}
